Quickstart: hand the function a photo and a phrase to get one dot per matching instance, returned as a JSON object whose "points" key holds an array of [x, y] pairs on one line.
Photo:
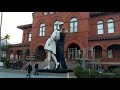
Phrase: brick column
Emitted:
{"points": [[23, 54], [104, 53]]}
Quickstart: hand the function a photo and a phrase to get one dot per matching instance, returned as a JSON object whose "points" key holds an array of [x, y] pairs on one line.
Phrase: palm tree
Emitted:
{"points": [[1, 38], [7, 37]]}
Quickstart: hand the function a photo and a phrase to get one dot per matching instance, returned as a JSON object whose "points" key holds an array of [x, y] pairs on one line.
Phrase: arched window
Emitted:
{"points": [[113, 51], [51, 12], [29, 36], [98, 51], [42, 30], [56, 25], [11, 54], [73, 25], [110, 23], [100, 27], [45, 13]]}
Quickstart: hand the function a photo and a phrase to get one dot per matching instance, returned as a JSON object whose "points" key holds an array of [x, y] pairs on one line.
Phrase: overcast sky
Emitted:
{"points": [[10, 22]]}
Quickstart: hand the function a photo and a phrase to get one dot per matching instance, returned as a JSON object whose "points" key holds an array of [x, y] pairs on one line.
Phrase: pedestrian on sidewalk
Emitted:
{"points": [[36, 68], [29, 69]]}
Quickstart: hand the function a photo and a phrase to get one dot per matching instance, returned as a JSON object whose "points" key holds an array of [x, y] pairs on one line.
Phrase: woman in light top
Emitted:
{"points": [[50, 47]]}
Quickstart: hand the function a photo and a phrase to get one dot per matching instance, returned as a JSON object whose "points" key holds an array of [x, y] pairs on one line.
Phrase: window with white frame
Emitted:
{"points": [[73, 25], [100, 27], [56, 25], [45, 13], [29, 36], [42, 30], [51, 12], [4, 54], [110, 54], [11, 56], [110, 23]]}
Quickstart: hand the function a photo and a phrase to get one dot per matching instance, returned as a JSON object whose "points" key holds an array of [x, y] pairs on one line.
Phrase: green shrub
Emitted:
{"points": [[3, 59], [84, 74], [8, 64], [109, 75], [94, 74], [107, 71], [78, 70], [80, 73], [117, 71]]}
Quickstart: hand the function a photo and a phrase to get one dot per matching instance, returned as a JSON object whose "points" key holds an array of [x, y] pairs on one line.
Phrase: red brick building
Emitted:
{"points": [[100, 30]]}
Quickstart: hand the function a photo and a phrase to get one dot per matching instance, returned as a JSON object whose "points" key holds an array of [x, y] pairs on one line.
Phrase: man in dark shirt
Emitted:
{"points": [[60, 48], [29, 69], [36, 68]]}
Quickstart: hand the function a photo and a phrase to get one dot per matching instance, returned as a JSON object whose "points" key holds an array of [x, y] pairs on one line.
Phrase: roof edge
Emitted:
{"points": [[24, 26]]}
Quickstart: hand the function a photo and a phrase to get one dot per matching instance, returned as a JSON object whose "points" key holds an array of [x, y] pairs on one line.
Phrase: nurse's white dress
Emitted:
{"points": [[52, 42]]}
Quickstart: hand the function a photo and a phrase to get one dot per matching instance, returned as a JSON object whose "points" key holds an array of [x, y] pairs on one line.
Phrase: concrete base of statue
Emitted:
{"points": [[55, 70]]}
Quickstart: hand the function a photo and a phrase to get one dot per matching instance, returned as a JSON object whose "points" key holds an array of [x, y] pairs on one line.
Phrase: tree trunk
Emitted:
{"points": [[5, 57], [6, 42]]}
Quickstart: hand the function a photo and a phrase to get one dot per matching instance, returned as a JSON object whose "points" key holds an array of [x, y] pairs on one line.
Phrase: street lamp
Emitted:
{"points": [[0, 37]]}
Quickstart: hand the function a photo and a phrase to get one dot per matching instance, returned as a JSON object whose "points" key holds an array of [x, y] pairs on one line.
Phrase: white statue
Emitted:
{"points": [[50, 47]]}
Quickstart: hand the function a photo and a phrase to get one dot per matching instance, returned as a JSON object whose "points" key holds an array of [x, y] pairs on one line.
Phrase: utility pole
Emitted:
{"points": [[0, 37]]}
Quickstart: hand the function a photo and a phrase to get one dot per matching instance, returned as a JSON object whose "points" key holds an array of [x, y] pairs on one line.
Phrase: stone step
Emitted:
{"points": [[70, 65]]}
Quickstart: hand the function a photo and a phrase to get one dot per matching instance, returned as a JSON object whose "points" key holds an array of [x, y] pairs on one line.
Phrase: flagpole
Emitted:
{"points": [[0, 36]]}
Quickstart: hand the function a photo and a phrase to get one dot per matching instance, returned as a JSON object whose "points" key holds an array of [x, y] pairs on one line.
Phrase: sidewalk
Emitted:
{"points": [[13, 71], [22, 73]]}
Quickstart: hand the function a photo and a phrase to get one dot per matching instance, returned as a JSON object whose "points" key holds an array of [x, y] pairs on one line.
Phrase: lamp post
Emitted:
{"points": [[0, 37]]}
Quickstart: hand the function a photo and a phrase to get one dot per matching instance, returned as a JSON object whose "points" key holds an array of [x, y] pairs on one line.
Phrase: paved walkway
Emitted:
{"points": [[8, 73]]}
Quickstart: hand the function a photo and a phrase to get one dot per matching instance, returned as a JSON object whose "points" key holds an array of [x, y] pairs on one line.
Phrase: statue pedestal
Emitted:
{"points": [[55, 71]]}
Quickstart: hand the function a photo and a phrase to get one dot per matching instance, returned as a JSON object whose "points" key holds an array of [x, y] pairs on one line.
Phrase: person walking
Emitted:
{"points": [[29, 69], [36, 68]]}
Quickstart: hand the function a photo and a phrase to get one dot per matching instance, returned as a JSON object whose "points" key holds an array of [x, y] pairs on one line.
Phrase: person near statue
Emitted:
{"points": [[36, 68]]}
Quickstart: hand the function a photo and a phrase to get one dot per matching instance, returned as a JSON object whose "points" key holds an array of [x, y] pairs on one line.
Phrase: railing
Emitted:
{"points": [[30, 57], [113, 59]]}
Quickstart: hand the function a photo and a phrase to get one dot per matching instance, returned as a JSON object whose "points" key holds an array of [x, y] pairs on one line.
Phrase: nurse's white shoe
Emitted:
{"points": [[48, 67], [57, 65]]}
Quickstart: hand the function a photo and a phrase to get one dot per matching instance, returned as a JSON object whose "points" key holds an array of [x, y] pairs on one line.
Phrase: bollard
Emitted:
{"points": [[89, 72], [68, 75]]}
